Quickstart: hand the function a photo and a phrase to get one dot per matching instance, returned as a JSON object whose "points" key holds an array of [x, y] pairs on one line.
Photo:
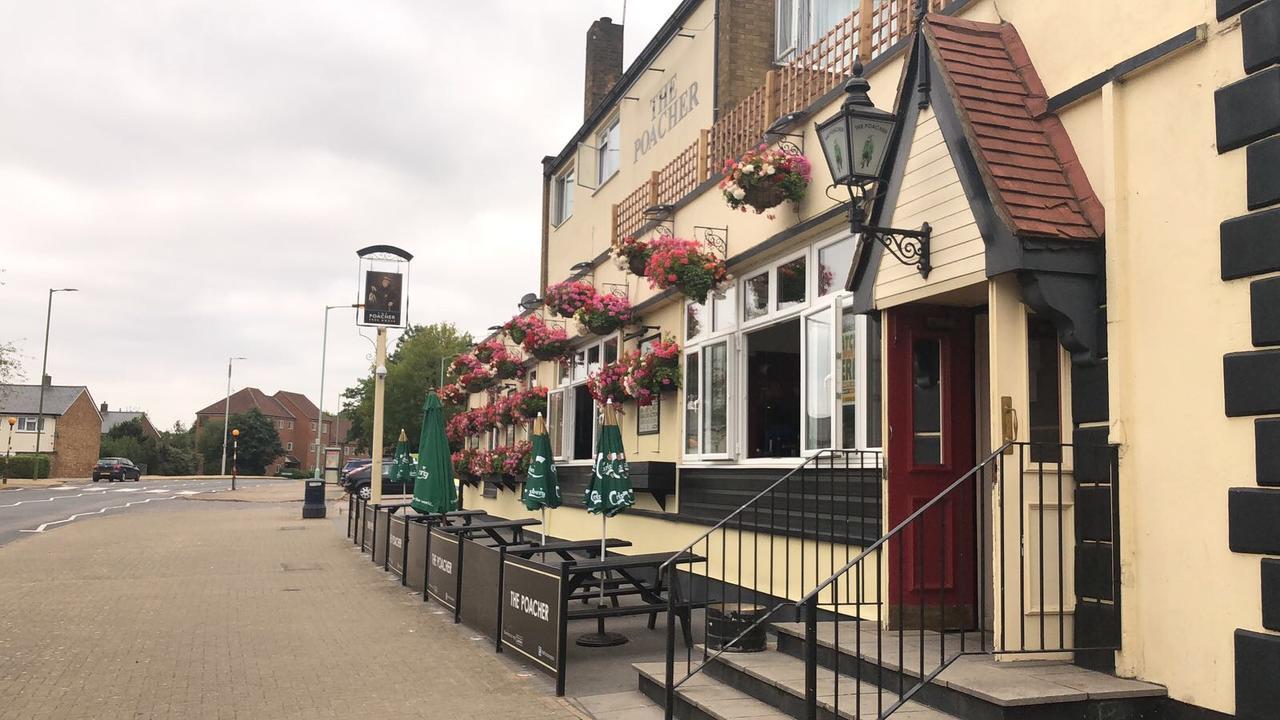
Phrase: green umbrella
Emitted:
{"points": [[402, 466], [433, 488], [608, 494], [542, 484]]}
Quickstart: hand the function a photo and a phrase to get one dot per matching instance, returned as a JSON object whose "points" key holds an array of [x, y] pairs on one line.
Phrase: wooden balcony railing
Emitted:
{"points": [[868, 32]]}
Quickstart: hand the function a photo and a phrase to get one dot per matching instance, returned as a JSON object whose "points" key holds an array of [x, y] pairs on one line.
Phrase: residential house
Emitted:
{"points": [[71, 433], [1018, 399], [294, 416], [112, 418]]}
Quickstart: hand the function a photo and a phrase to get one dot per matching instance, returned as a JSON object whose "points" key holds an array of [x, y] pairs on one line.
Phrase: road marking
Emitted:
{"points": [[99, 511], [50, 499], [127, 490]]}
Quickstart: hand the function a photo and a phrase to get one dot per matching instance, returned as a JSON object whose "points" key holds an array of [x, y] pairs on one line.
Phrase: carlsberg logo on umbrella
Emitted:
{"points": [[610, 491], [542, 484]]}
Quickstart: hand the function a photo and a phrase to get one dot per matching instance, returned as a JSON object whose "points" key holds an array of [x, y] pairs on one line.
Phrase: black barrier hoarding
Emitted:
{"points": [[481, 582], [395, 545], [531, 612], [382, 298], [368, 518], [416, 566], [351, 508], [442, 570], [380, 537]]}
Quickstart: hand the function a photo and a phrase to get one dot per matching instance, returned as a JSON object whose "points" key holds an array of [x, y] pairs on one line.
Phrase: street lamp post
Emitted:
{"points": [[235, 454], [44, 364], [8, 453], [226, 416], [324, 344]]}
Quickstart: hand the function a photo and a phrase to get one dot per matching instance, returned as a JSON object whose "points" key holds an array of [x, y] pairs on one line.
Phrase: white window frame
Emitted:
{"points": [[562, 197], [568, 391], [28, 423], [603, 149], [288, 447]]}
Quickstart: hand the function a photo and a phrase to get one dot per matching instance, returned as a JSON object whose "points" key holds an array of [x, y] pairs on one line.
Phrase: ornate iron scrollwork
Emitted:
{"points": [[910, 247], [617, 289], [715, 238]]}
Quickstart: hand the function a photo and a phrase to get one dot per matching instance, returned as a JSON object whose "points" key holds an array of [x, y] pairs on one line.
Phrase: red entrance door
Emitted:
{"points": [[931, 444]]}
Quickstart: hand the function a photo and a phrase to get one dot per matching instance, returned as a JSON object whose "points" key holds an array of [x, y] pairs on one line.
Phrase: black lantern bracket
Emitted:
{"points": [[909, 247], [714, 238]]}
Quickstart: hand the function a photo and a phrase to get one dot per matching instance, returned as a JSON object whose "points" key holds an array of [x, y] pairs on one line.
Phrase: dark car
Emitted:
{"points": [[351, 465], [357, 482], [112, 469]]}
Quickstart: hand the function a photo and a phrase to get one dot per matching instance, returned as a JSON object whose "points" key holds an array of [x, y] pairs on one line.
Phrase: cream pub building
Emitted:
{"points": [[1058, 441]]}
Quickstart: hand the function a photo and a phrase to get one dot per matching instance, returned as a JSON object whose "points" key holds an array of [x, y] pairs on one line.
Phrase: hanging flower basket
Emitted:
{"points": [[765, 178], [531, 402], [543, 342], [566, 298], [451, 394], [649, 374], [553, 350], [685, 266], [632, 255], [606, 383], [665, 353], [603, 314], [484, 352], [506, 364], [478, 380]]}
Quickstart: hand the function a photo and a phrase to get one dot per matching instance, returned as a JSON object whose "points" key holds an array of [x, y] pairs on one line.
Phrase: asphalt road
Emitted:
{"points": [[45, 509]]}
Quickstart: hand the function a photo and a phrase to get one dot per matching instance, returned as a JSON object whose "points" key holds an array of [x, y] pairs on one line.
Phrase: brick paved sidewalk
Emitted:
{"points": [[233, 610]]}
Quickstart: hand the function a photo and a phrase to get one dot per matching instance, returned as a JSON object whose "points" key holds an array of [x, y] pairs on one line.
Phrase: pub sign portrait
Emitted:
{"points": [[383, 298]]}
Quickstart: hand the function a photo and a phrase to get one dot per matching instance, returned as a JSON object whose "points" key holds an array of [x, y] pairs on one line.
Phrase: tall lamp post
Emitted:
{"points": [[226, 415], [8, 453], [324, 344], [44, 364]]}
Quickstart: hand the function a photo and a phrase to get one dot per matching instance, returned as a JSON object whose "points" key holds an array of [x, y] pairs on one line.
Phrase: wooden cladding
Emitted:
{"points": [[868, 32]]}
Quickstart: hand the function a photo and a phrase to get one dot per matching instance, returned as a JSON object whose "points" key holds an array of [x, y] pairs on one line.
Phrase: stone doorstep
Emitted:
{"points": [[1007, 684], [712, 697]]}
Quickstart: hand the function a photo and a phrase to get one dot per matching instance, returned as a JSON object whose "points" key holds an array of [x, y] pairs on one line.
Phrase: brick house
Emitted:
{"points": [[294, 416], [72, 435], [112, 418]]}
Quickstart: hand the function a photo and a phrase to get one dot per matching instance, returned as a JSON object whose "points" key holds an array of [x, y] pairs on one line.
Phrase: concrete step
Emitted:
{"points": [[629, 705], [704, 698], [974, 686]]}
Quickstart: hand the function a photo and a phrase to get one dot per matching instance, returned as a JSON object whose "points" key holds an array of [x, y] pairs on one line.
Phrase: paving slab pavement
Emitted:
{"points": [[234, 610]]}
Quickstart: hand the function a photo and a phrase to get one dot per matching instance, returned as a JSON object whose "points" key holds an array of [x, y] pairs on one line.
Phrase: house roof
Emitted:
{"points": [[298, 403], [25, 399], [247, 399], [1024, 155], [112, 418]]}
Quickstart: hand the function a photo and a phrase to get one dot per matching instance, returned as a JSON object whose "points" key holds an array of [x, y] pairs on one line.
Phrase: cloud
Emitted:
{"points": [[203, 172]]}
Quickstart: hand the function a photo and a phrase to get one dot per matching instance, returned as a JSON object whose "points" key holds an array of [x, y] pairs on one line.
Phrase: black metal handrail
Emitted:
{"points": [[927, 599]]}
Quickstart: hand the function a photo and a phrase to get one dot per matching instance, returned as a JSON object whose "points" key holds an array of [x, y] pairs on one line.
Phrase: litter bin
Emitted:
{"points": [[726, 621], [313, 500]]}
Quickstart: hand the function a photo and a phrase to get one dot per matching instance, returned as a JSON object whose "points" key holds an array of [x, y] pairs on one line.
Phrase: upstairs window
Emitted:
{"points": [[801, 23], [608, 150], [562, 197]]}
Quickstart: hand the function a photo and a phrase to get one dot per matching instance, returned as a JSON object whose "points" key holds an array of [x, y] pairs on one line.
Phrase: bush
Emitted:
{"points": [[296, 473], [24, 466]]}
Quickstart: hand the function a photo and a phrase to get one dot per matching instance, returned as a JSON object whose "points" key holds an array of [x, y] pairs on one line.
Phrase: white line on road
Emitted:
{"points": [[99, 511]]}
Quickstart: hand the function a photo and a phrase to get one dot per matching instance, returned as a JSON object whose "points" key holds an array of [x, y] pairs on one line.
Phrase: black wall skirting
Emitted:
{"points": [[1262, 163], [1266, 445], [1248, 110], [1175, 710], [1271, 594], [1227, 8], [1260, 33], [1254, 521], [1257, 670], [1251, 382], [1250, 244], [1264, 304]]}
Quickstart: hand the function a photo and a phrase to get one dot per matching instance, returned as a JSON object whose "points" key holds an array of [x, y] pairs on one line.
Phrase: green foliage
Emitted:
{"points": [[259, 444], [413, 368], [24, 466], [10, 367], [173, 453], [296, 473]]}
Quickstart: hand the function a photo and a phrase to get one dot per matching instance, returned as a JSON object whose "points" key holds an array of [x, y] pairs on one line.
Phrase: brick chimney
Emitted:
{"points": [[102, 408], [744, 49], [604, 62]]}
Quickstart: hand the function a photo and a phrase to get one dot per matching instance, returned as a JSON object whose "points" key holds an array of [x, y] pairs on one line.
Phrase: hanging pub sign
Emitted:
{"points": [[383, 286]]}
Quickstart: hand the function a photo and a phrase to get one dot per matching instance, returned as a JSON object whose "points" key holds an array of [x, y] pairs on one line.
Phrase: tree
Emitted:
{"points": [[173, 453], [259, 443], [10, 366], [413, 368]]}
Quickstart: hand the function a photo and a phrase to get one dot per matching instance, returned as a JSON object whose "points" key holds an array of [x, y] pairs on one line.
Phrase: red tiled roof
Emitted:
{"points": [[246, 399], [299, 403], [1022, 150]]}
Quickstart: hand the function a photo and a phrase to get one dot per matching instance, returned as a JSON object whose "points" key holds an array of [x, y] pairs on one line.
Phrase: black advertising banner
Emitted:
{"points": [[442, 582], [382, 297], [366, 535], [415, 572], [380, 537], [481, 582], [531, 616], [395, 545]]}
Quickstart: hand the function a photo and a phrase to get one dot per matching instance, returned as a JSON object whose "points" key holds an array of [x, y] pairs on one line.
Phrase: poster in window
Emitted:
{"points": [[649, 418], [382, 298]]}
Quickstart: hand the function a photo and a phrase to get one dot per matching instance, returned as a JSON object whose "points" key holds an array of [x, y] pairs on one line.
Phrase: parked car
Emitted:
{"points": [[350, 465], [357, 482], [113, 468]]}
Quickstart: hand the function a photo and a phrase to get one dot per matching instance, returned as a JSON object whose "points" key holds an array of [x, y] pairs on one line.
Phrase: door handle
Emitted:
{"points": [[1008, 423]]}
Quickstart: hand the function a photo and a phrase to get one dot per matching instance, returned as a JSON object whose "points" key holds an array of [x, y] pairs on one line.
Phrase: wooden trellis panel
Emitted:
{"points": [[739, 129], [631, 211], [820, 67], [679, 177]]}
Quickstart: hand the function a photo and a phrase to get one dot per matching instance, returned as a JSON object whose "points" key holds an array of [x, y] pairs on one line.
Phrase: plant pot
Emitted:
{"points": [[517, 335], [604, 326], [476, 386], [763, 196], [636, 264], [506, 370], [726, 621], [550, 351]]}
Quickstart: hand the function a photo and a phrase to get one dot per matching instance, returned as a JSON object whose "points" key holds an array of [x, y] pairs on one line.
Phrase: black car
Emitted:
{"points": [[350, 466], [112, 469], [357, 482]]}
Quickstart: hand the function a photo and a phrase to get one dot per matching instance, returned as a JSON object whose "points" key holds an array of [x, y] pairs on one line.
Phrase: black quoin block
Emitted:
{"points": [[1094, 571], [1248, 110], [1257, 667], [1264, 311], [1253, 519], [1093, 455], [1227, 8], [1251, 382], [1271, 594], [1093, 513], [1262, 164], [1250, 244], [1089, 393], [1260, 33], [1266, 448]]}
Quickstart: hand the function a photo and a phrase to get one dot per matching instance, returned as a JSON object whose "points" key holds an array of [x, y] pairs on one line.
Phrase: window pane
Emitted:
{"points": [[755, 298], [692, 320], [773, 391], [608, 142], [716, 437], [848, 380], [1043, 385], [834, 263], [611, 350], [566, 201], [593, 359], [926, 401], [874, 407], [584, 412], [579, 361], [564, 367], [722, 317], [785, 27], [555, 422], [826, 13], [818, 376], [691, 407], [791, 283]]}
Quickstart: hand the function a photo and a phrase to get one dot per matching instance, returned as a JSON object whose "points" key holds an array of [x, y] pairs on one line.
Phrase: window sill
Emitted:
{"points": [[604, 182]]}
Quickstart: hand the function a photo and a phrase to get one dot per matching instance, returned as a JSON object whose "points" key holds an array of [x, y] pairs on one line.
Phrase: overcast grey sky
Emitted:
{"points": [[204, 170]]}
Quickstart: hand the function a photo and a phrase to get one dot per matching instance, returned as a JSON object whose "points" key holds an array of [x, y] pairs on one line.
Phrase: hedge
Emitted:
{"points": [[24, 466]]}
